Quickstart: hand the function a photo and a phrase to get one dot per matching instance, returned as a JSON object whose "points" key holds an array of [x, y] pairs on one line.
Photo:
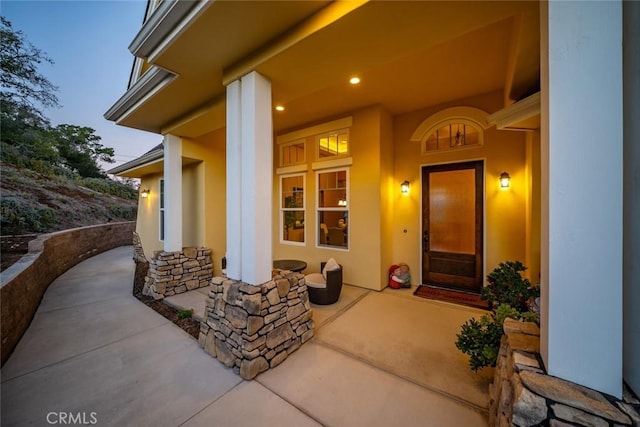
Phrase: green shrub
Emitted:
{"points": [[505, 285], [185, 314], [109, 186], [41, 166], [123, 212], [480, 339], [18, 218], [509, 294]]}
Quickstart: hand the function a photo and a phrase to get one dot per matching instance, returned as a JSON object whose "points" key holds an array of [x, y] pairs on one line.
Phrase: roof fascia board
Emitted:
{"points": [[323, 18], [136, 71], [153, 80], [161, 22], [524, 109], [142, 161], [171, 33]]}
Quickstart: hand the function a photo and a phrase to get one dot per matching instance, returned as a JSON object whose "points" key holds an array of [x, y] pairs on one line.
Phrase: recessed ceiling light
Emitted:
{"points": [[354, 80], [279, 108]]}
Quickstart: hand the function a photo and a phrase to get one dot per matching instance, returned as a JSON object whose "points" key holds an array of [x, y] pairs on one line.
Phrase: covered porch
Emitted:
{"points": [[496, 54], [139, 368]]}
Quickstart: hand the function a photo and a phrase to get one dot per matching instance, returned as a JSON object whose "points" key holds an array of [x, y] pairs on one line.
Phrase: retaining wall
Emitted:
{"points": [[16, 244], [24, 283]]}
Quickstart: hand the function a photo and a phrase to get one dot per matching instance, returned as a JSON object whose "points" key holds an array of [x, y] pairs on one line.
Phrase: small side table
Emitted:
{"points": [[294, 265]]}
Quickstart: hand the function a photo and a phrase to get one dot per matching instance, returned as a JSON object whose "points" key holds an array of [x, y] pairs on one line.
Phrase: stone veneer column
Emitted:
{"points": [[523, 395], [176, 272], [254, 328]]}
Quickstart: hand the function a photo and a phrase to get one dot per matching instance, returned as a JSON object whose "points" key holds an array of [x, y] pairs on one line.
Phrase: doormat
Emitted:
{"points": [[456, 297]]}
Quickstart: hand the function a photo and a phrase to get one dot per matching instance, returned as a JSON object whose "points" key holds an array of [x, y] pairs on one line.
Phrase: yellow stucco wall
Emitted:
{"points": [[384, 225], [505, 225], [533, 210], [209, 226], [203, 199], [148, 221], [193, 223], [370, 149], [389, 188]]}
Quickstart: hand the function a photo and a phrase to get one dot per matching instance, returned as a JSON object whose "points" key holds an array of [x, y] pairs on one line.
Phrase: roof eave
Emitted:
{"points": [[165, 22], [150, 83], [140, 162]]}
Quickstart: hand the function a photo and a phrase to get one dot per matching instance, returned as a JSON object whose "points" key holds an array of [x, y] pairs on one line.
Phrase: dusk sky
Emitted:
{"points": [[88, 42]]}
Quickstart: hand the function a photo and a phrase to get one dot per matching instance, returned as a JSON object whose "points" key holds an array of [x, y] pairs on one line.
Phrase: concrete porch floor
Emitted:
{"points": [[377, 359]]}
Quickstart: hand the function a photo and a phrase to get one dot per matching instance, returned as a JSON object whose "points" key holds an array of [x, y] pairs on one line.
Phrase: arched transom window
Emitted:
{"points": [[457, 134], [450, 129]]}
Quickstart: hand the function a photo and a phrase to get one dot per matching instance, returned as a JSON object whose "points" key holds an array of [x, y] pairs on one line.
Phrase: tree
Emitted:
{"points": [[80, 150], [22, 84], [25, 130], [27, 136]]}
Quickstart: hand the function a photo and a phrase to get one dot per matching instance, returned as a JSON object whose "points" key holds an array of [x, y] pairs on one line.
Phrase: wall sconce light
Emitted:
{"points": [[145, 193], [404, 187], [505, 179]]}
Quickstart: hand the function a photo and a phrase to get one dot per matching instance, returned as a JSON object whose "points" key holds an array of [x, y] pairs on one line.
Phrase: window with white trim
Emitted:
{"points": [[292, 208], [333, 144], [333, 208], [161, 210], [292, 153]]}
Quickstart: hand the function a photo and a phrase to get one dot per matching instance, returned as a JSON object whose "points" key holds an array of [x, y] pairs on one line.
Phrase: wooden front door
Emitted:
{"points": [[452, 206]]}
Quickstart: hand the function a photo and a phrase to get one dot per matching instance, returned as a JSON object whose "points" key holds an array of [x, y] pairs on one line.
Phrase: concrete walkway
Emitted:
{"points": [[94, 353]]}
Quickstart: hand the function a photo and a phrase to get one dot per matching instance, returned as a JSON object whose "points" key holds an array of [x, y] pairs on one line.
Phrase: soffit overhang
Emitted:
{"points": [[146, 162], [409, 55], [150, 84], [151, 167], [195, 44]]}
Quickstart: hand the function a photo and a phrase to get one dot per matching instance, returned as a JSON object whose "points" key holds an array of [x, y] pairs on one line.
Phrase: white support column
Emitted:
{"points": [[234, 182], [172, 193], [257, 178], [582, 173], [631, 18]]}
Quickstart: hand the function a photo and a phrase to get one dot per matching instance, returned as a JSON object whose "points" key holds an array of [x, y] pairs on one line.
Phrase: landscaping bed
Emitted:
{"points": [[187, 324]]}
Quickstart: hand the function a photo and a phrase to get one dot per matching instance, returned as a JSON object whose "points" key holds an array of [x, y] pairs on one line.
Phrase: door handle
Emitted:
{"points": [[425, 240]]}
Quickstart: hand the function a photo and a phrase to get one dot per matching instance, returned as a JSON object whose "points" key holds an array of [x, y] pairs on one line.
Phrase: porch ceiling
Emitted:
{"points": [[409, 55]]}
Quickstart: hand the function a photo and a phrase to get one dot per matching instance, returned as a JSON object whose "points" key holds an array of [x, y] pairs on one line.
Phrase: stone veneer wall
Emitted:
{"points": [[142, 266], [522, 394], [173, 273], [138, 251], [254, 328]]}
